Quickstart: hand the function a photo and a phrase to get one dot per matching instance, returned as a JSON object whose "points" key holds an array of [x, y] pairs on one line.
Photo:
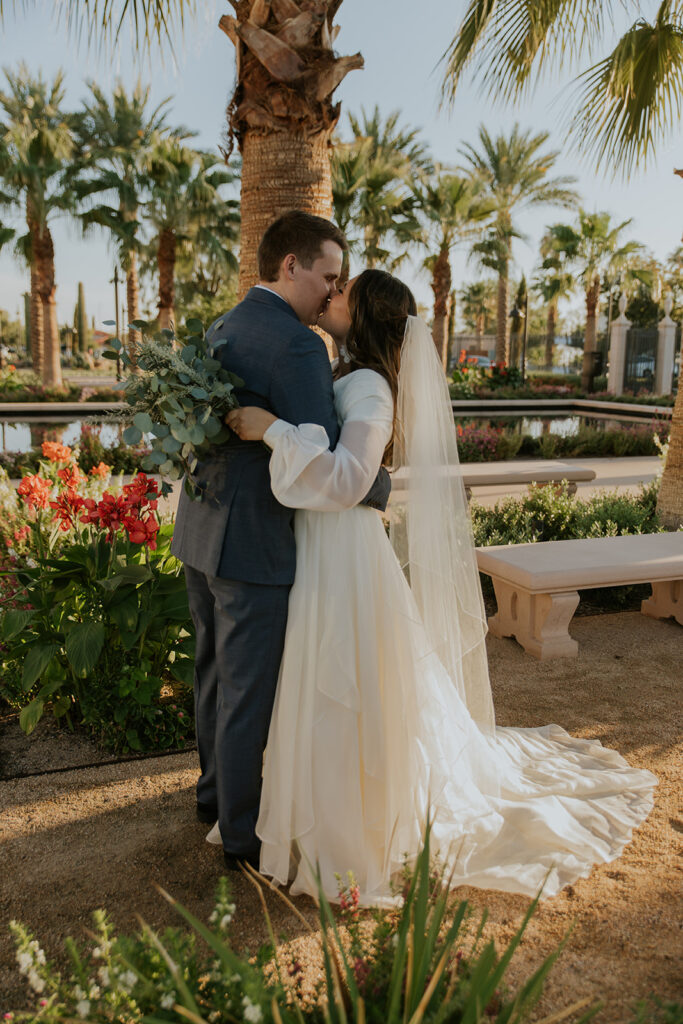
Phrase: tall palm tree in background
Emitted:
{"points": [[553, 282], [454, 209], [516, 177], [494, 252], [374, 177], [478, 304], [114, 139], [186, 207], [36, 141], [590, 250], [625, 106]]}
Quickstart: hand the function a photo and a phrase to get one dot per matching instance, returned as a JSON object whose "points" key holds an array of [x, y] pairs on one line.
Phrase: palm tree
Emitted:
{"points": [[625, 104], [186, 206], [590, 250], [516, 176], [282, 114], [373, 186], [454, 208], [477, 304], [36, 141], [553, 283], [114, 138]]}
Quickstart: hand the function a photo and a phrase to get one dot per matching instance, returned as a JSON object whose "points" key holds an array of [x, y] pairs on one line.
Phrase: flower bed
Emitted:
{"points": [[121, 458], [484, 444], [95, 624]]}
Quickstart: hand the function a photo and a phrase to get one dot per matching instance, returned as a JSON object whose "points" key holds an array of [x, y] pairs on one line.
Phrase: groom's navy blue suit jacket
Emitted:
{"points": [[239, 531]]}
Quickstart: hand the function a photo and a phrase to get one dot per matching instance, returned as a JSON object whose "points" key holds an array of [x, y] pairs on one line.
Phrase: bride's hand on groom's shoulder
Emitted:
{"points": [[249, 422]]}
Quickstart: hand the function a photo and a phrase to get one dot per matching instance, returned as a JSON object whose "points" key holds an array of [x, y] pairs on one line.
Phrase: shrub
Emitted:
{"points": [[416, 965], [96, 621]]}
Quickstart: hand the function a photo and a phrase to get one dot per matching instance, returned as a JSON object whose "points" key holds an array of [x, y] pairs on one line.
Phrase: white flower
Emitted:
{"points": [[252, 1013], [128, 979], [40, 956], [103, 975], [235, 978], [78, 992], [167, 1001], [96, 953], [31, 563], [225, 920], [24, 960], [83, 1008], [94, 991], [36, 982], [394, 940]]}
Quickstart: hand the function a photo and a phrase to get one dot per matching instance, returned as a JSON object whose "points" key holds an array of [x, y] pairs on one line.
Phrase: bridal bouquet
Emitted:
{"points": [[178, 398]]}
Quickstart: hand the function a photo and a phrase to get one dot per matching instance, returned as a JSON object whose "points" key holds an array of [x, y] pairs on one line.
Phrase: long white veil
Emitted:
{"points": [[434, 542]]}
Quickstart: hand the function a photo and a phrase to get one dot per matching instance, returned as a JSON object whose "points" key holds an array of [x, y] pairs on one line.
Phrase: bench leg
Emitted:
{"points": [[666, 601], [539, 622]]}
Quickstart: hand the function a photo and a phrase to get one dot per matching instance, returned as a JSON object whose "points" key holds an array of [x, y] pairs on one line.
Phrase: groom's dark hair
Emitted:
{"points": [[297, 232]]}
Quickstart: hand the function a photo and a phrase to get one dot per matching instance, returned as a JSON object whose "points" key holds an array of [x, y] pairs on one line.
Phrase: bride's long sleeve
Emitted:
{"points": [[305, 474]]}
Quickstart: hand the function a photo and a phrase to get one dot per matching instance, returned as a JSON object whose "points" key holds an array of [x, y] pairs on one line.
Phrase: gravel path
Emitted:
{"points": [[101, 836]]}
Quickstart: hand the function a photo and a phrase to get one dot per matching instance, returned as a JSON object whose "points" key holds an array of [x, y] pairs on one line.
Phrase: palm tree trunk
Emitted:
{"points": [[36, 325], [166, 267], [281, 171], [441, 286], [45, 272], [591, 337], [670, 500], [550, 335], [133, 301], [502, 325]]}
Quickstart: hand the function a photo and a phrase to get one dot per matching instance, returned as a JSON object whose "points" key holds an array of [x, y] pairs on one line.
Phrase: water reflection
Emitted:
{"points": [[21, 437]]}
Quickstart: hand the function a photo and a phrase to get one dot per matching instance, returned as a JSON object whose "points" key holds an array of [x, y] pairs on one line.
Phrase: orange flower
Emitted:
{"points": [[101, 469], [11, 367], [56, 452], [35, 490], [71, 476]]}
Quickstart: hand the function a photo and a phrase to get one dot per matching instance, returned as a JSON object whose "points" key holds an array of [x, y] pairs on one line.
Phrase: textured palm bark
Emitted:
{"points": [[550, 335], [279, 173], [281, 114], [670, 500], [590, 341], [44, 258], [441, 286], [166, 267], [36, 325], [133, 301], [502, 324]]}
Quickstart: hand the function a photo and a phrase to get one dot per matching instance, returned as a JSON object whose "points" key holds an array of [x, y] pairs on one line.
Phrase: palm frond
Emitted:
{"points": [[514, 41], [630, 102], [102, 21]]}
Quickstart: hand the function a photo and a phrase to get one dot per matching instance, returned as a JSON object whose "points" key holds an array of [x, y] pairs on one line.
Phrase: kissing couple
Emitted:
{"points": [[341, 683]]}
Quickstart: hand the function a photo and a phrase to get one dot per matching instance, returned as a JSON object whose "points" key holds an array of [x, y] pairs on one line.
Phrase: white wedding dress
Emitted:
{"points": [[369, 732]]}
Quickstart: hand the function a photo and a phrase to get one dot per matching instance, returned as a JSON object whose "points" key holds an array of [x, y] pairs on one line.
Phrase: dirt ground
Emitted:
{"points": [[100, 836]]}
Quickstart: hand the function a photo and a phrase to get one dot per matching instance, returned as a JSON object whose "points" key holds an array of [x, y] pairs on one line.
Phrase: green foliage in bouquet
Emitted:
{"points": [[180, 397]]}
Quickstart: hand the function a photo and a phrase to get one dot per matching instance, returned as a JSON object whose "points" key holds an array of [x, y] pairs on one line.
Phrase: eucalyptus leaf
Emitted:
{"points": [[194, 325], [140, 325], [132, 435], [212, 427], [199, 393], [171, 445], [161, 430], [166, 467], [143, 421]]}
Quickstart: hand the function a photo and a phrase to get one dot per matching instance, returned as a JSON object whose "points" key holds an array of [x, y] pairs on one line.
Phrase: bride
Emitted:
{"points": [[383, 710]]}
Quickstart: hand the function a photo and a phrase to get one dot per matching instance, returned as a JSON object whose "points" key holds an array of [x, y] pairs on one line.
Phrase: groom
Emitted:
{"points": [[238, 542]]}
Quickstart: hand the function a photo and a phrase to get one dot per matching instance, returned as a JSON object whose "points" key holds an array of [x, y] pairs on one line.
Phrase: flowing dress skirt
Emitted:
{"points": [[368, 735]]}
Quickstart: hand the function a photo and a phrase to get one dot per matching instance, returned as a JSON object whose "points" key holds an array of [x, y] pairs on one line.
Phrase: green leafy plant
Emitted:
{"points": [[420, 964], [180, 397]]}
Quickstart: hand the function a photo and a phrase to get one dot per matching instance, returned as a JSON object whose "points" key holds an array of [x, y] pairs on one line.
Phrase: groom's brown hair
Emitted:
{"points": [[297, 232]]}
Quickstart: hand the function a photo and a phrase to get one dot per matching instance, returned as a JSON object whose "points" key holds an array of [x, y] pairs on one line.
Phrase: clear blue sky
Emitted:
{"points": [[402, 43]]}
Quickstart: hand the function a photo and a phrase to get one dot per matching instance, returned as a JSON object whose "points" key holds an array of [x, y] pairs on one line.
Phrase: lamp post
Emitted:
{"points": [[115, 282]]}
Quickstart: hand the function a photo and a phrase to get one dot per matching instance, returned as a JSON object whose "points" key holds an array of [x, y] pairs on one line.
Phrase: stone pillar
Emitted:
{"points": [[617, 350], [666, 345]]}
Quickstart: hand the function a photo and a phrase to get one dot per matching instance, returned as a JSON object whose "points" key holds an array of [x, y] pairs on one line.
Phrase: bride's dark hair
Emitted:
{"points": [[379, 305]]}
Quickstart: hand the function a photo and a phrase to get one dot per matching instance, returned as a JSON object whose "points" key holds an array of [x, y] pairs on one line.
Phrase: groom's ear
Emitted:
{"points": [[288, 266]]}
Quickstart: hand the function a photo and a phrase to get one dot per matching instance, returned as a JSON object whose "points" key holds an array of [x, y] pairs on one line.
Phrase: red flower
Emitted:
{"points": [[66, 508], [35, 490], [56, 452], [71, 476]]}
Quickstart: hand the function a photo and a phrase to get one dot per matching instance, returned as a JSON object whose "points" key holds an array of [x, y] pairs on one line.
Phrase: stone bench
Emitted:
{"points": [[537, 585], [487, 474]]}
